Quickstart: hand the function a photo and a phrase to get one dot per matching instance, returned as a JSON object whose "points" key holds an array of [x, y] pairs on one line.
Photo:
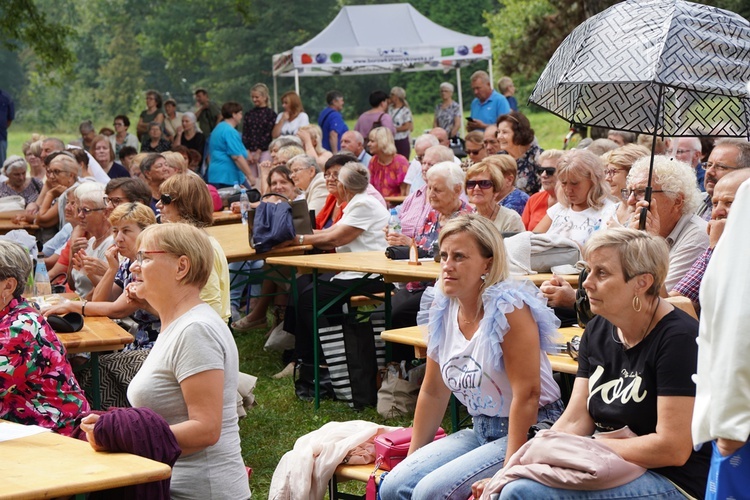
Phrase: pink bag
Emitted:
{"points": [[391, 448]]}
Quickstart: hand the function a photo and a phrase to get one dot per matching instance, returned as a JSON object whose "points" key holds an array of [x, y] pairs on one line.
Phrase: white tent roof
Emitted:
{"points": [[370, 39]]}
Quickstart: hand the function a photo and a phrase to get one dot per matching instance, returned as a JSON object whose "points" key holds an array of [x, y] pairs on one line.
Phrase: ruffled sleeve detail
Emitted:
{"points": [[499, 300], [432, 317]]}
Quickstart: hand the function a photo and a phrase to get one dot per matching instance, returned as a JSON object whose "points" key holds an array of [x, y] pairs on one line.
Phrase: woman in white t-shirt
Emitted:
{"points": [[486, 340], [292, 118], [191, 376], [360, 229], [583, 205]]}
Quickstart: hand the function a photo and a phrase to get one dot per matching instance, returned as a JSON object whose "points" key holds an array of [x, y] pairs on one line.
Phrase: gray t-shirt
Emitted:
{"points": [[197, 341]]}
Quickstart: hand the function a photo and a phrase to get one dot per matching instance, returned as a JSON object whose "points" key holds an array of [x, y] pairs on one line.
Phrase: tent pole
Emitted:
{"points": [[275, 94], [460, 100], [492, 78], [296, 81]]}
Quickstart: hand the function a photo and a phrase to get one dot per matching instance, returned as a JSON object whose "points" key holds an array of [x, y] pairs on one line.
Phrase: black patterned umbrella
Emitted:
{"points": [[657, 67]]}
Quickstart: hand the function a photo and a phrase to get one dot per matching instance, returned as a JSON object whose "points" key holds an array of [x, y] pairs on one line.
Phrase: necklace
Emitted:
{"points": [[469, 321], [645, 332]]}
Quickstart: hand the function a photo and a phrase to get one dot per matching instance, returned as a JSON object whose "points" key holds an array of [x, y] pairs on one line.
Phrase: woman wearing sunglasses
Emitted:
{"points": [[483, 184], [509, 195], [539, 203], [185, 198]]}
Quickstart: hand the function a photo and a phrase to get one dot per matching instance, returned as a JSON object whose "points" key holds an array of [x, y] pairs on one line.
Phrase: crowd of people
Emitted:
{"points": [[121, 222]]}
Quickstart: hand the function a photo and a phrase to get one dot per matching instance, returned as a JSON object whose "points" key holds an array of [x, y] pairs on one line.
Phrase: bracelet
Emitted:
{"points": [[83, 307], [301, 239]]}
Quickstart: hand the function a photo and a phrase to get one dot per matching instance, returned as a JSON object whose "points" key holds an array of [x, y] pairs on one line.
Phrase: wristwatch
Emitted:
{"points": [[301, 239]]}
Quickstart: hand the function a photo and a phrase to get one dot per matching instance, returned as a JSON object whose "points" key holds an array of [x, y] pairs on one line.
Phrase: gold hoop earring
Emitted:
{"points": [[637, 305]]}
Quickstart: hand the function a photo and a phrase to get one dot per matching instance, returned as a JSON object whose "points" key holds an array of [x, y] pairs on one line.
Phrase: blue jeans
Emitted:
{"points": [[447, 468], [649, 485], [238, 274]]}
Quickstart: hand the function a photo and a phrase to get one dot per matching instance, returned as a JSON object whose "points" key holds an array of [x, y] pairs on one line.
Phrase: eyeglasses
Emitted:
{"points": [[86, 211], [640, 194], [166, 199], [483, 184], [719, 167], [684, 151], [55, 173], [114, 201], [474, 151], [298, 170], [331, 175], [611, 172], [139, 255], [550, 171]]}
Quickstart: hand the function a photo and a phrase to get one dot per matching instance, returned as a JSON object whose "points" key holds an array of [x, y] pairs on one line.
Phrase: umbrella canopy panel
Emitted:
{"points": [[664, 67]]}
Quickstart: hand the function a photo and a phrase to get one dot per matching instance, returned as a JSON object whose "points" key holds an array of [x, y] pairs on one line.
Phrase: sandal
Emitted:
{"points": [[244, 325]]}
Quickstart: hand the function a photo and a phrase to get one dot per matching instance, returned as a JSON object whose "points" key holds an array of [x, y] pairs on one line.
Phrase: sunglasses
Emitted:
{"points": [[166, 199], [474, 151], [550, 171], [484, 184]]}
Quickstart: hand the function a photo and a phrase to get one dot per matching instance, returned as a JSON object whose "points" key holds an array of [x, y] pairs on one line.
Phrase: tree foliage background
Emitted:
{"points": [[69, 60]]}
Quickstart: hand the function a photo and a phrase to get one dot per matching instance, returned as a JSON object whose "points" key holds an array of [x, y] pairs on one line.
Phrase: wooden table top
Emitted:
{"points": [[233, 239], [7, 225], [226, 217], [393, 271], [98, 334], [49, 465], [414, 336]]}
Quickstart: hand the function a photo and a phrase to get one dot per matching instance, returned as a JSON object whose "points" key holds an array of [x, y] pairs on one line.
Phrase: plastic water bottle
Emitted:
{"points": [[41, 279], [394, 223], [244, 205]]}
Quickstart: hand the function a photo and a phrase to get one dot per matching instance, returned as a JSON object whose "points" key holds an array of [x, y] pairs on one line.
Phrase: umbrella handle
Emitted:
{"points": [[644, 210], [642, 220]]}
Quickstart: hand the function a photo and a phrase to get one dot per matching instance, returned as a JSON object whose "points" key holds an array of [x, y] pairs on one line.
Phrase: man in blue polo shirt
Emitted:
{"points": [[488, 104], [331, 122], [7, 115], [226, 152]]}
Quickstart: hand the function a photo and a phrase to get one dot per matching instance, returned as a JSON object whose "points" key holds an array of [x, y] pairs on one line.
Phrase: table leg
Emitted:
{"points": [[316, 340]]}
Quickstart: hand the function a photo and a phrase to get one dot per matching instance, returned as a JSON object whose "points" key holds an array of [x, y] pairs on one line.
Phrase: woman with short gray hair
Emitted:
{"points": [[18, 183], [37, 381], [448, 112], [360, 229]]}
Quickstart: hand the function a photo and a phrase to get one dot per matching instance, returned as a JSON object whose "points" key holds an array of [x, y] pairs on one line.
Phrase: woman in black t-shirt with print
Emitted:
{"points": [[635, 364]]}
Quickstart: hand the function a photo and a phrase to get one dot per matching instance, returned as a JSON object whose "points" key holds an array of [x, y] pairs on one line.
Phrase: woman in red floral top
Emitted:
{"points": [[387, 168], [37, 385]]}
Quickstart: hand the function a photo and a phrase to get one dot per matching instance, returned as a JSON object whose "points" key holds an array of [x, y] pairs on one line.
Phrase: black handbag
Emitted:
{"points": [[273, 223]]}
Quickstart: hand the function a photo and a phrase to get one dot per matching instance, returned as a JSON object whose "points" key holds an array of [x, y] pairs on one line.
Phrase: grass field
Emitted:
{"points": [[273, 426], [549, 129]]}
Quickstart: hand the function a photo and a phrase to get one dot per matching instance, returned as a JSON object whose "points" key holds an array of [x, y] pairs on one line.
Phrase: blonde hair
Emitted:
{"points": [[262, 89], [639, 253], [383, 137], [136, 212], [176, 161], [180, 239], [317, 134], [490, 243], [486, 167], [625, 156], [586, 165], [505, 163]]}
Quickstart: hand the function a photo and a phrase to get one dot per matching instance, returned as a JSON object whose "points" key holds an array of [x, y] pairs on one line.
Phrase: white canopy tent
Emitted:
{"points": [[376, 39]]}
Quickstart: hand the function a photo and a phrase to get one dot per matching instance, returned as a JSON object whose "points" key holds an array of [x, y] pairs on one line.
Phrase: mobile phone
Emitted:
{"points": [[470, 119]]}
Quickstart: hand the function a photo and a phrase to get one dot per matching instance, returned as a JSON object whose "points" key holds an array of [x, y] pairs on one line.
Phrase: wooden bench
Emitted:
{"points": [[345, 473]]}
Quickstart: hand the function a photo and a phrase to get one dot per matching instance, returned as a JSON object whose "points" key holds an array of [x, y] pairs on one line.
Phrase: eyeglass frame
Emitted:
{"points": [[611, 172], [625, 193], [719, 167], [331, 176], [120, 200], [87, 211], [470, 152], [140, 253], [298, 170]]}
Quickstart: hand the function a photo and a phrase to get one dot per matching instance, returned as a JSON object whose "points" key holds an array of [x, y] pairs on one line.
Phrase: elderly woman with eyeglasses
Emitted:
{"points": [[88, 252], [618, 163], [191, 376], [36, 380], [483, 184], [18, 183]]}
